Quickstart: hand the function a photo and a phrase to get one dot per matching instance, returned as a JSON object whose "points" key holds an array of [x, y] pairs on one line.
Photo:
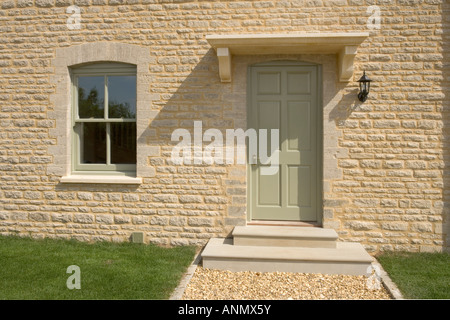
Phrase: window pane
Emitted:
{"points": [[91, 97], [123, 143], [94, 143], [122, 97]]}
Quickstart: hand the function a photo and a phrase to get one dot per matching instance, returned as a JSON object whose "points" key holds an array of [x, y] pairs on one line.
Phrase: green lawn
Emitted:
{"points": [[37, 269], [419, 275]]}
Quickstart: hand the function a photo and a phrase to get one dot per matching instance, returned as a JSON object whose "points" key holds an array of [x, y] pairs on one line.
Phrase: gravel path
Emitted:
{"points": [[207, 284]]}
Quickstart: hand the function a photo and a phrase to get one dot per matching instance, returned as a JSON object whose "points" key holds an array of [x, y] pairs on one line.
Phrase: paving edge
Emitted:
{"points": [[390, 286], [177, 294]]}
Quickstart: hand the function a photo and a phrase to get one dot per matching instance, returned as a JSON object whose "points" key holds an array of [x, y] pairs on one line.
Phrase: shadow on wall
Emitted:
{"points": [[199, 97], [344, 108], [195, 195]]}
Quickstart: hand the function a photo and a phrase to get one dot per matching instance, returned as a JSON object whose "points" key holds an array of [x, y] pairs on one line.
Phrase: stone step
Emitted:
{"points": [[283, 236], [346, 258]]}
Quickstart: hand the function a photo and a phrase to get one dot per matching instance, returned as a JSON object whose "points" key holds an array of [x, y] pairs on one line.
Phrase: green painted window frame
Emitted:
{"points": [[105, 70]]}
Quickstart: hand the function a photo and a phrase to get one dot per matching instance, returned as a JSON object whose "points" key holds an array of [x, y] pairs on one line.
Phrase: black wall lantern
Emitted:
{"points": [[364, 87]]}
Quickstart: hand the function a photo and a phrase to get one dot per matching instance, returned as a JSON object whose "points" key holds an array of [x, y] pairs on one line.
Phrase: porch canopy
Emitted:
{"points": [[343, 44]]}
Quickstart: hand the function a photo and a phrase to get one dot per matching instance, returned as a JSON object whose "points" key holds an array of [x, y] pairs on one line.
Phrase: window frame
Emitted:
{"points": [[105, 70]]}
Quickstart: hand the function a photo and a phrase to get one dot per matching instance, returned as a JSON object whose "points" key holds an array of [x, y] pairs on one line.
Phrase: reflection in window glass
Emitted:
{"points": [[91, 97], [105, 118], [122, 97], [94, 143], [123, 143]]}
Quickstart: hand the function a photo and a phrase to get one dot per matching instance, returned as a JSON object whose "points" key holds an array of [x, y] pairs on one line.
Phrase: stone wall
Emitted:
{"points": [[386, 177]]}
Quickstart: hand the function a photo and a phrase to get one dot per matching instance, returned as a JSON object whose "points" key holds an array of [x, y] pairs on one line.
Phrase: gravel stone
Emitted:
{"points": [[208, 284]]}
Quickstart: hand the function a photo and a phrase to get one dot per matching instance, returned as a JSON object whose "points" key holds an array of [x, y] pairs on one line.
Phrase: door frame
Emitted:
{"points": [[319, 133]]}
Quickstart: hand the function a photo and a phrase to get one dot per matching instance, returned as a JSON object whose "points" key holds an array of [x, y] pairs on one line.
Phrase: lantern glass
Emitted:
{"points": [[364, 87]]}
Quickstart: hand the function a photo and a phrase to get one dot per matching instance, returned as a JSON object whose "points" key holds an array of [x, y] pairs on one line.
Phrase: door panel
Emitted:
{"points": [[298, 83], [298, 125], [269, 83], [269, 113], [285, 97], [299, 179], [269, 196]]}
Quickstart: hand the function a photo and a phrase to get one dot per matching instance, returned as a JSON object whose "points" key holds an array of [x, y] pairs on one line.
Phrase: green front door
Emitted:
{"points": [[285, 96]]}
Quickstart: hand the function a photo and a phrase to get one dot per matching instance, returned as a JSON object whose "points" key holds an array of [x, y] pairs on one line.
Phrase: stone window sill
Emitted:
{"points": [[101, 179]]}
